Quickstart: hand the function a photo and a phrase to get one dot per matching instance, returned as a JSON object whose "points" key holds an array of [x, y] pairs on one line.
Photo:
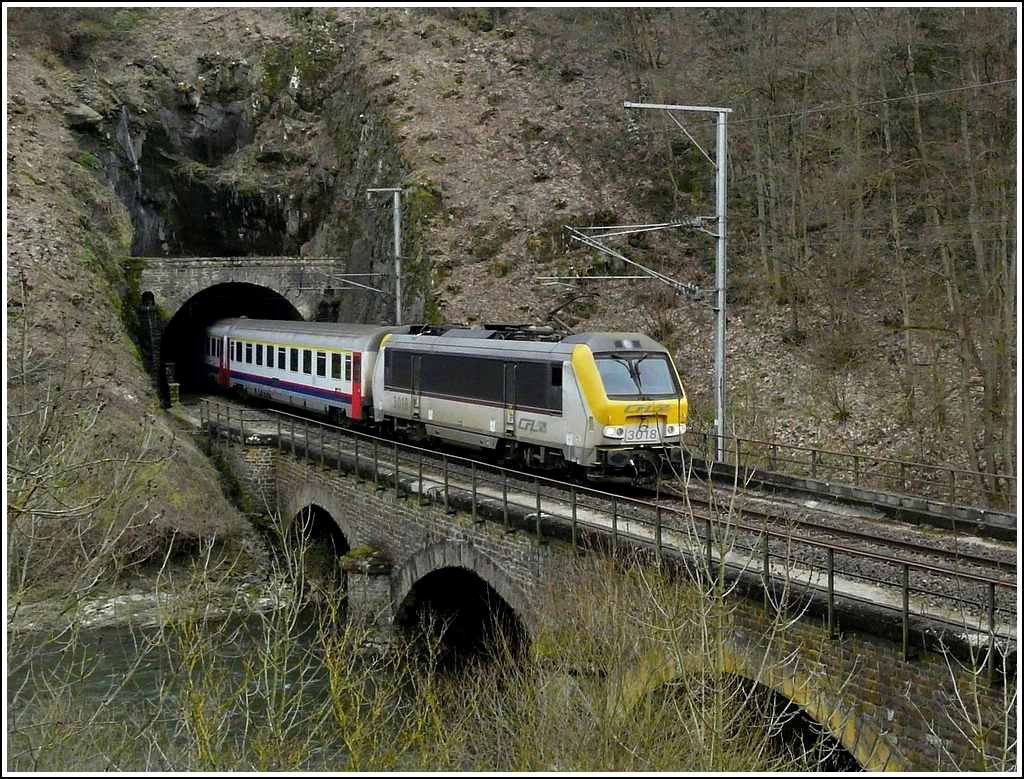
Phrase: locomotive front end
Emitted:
{"points": [[637, 404]]}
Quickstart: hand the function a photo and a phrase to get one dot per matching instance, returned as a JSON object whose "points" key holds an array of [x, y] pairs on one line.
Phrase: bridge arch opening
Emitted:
{"points": [[748, 718], [182, 343], [459, 619], [320, 544]]}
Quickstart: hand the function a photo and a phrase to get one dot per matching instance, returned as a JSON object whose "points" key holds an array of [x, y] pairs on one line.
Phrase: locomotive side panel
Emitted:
{"points": [[485, 395]]}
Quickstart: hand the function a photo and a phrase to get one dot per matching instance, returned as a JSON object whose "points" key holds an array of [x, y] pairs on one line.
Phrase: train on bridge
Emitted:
{"points": [[607, 405]]}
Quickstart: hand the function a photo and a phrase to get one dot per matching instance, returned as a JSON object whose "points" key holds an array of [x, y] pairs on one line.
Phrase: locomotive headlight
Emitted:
{"points": [[611, 431], [671, 431]]}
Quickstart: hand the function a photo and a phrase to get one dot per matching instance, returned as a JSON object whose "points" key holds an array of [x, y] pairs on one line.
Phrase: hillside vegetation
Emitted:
{"points": [[872, 218]]}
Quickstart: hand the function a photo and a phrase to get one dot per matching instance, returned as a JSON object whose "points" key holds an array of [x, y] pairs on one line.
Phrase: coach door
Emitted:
{"points": [[510, 397], [224, 361]]}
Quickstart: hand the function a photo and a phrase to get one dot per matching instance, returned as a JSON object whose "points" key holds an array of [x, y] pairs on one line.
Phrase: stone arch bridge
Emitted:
{"points": [[889, 709]]}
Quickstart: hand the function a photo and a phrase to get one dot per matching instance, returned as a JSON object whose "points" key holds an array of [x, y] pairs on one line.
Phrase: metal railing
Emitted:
{"points": [[548, 508], [941, 483]]}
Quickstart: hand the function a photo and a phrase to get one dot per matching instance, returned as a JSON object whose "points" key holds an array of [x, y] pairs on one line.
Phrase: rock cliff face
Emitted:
{"points": [[256, 154]]}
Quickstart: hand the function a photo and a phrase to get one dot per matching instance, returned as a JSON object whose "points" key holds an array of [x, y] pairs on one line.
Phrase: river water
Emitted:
{"points": [[193, 696]]}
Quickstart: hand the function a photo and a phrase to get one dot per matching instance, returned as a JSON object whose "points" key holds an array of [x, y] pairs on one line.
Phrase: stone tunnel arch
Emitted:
{"points": [[313, 522], [828, 709], [488, 601], [181, 342]]}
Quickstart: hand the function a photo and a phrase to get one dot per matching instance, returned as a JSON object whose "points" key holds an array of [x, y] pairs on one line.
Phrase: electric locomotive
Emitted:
{"points": [[608, 405]]}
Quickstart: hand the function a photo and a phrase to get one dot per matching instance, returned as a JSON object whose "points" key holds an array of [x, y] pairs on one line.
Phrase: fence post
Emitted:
{"points": [[572, 491], [504, 497], [540, 538], [906, 611], [765, 571], [472, 484], [831, 592], [991, 631], [419, 477], [707, 527], [615, 523], [657, 533], [447, 509]]}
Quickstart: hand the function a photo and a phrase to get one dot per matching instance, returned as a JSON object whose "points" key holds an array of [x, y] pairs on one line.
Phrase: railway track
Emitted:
{"points": [[826, 520], [910, 508]]}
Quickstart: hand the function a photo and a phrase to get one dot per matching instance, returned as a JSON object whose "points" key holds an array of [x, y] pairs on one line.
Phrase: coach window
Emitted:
{"points": [[295, 360], [307, 361], [321, 364], [281, 359], [532, 380], [220, 348], [248, 353], [259, 354], [335, 365], [238, 351], [348, 367]]}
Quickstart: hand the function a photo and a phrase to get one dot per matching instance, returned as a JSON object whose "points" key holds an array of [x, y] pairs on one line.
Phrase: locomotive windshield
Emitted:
{"points": [[637, 376]]}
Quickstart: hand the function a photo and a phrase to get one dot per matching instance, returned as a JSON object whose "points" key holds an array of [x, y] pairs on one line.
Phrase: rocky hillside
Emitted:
{"points": [[220, 131]]}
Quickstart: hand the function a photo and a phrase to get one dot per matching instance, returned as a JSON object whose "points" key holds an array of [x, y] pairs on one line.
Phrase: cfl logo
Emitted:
{"points": [[533, 425]]}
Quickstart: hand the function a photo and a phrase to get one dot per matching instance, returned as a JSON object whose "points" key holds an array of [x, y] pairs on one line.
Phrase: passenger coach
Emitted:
{"points": [[318, 366]]}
